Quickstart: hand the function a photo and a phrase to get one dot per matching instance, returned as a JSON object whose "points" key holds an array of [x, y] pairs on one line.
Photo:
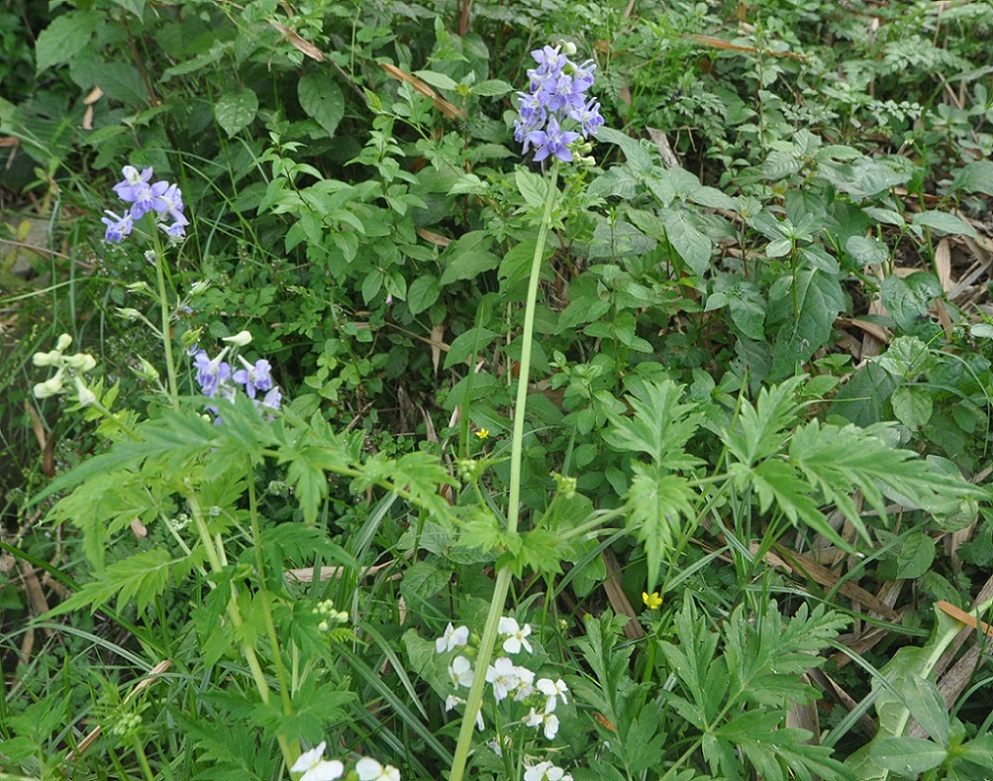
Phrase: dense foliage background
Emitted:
{"points": [[755, 478]]}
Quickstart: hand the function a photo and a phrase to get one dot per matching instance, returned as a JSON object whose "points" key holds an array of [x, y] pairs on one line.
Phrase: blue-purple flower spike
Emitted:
{"points": [[144, 195], [558, 92]]}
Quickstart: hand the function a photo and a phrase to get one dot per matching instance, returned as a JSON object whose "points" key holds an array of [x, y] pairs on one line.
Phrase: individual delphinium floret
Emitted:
{"points": [[557, 98], [217, 380], [162, 198]]}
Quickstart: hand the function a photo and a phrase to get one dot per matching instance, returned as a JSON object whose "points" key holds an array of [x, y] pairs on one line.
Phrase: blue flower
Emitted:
{"points": [[558, 89], [552, 141], [211, 373], [118, 227], [255, 378]]}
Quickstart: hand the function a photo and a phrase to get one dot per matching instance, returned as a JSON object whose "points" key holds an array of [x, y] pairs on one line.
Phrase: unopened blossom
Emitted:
{"points": [[452, 639], [315, 767], [516, 635], [369, 769]]}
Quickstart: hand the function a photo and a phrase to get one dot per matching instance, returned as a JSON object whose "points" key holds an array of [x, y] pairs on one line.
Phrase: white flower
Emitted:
{"points": [[84, 394], [515, 635], [461, 672], [546, 771], [452, 639], [451, 701], [524, 687], [315, 768], [503, 675], [369, 769], [547, 720], [552, 690]]}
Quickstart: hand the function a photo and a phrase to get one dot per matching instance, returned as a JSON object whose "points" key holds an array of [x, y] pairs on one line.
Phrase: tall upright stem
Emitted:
{"points": [[488, 641], [165, 311]]}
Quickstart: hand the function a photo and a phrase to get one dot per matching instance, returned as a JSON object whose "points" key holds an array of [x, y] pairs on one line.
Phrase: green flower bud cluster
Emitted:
{"points": [[67, 367], [331, 616]]}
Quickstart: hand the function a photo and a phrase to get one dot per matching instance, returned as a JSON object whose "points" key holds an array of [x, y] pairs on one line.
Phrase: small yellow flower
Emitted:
{"points": [[652, 601], [483, 433]]}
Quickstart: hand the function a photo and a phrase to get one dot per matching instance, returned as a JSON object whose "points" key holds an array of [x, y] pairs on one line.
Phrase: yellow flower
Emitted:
{"points": [[652, 601], [483, 433]]}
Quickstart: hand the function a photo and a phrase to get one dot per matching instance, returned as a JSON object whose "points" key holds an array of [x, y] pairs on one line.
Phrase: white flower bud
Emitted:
{"points": [[82, 362], [64, 341], [48, 388], [41, 391], [569, 48], [45, 359], [128, 313], [198, 287], [85, 395], [239, 339]]}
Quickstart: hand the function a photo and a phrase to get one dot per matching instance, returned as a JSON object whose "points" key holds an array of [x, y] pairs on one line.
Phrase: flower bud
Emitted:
{"points": [[198, 287], [82, 362], [128, 313], [240, 339], [148, 371], [48, 388], [84, 394], [569, 48], [64, 341], [45, 359]]}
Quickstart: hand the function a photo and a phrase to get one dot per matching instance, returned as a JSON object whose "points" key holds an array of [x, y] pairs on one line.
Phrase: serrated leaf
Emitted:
{"points": [[65, 37], [322, 99], [235, 110], [659, 425], [532, 187], [660, 511]]}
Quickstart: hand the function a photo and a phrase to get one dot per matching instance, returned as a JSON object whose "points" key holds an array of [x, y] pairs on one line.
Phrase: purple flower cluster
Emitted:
{"points": [[162, 198], [558, 92], [217, 380]]}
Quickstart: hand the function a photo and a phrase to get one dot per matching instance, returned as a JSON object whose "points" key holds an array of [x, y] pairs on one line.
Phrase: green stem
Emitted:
{"points": [[502, 586], [139, 751], [164, 309]]}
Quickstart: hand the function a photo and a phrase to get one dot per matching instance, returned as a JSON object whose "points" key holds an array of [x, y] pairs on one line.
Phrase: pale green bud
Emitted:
{"points": [[64, 341], [148, 371], [48, 388], [82, 362], [46, 359], [569, 49], [240, 339], [128, 313], [85, 395], [198, 287]]}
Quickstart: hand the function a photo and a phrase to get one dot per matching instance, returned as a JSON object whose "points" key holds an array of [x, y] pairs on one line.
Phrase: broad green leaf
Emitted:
{"points": [[423, 292], [322, 99], [236, 110], [945, 223], [976, 177], [532, 187], [121, 81], [928, 708], [912, 405], [470, 343], [915, 557], [908, 756], [491, 88], [65, 37], [693, 247], [867, 251], [637, 156], [821, 299], [435, 79], [468, 257]]}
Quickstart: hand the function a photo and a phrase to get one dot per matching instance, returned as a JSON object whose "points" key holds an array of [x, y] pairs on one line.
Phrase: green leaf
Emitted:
{"points": [[322, 99], [976, 177], [928, 707], [693, 247], [866, 251], [761, 429], [907, 756], [468, 257], [915, 558], [945, 223], [659, 425], [121, 81], [637, 156], [532, 187], [236, 110], [912, 405], [491, 88], [470, 343], [423, 292], [660, 511], [821, 299], [435, 79], [65, 37]]}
